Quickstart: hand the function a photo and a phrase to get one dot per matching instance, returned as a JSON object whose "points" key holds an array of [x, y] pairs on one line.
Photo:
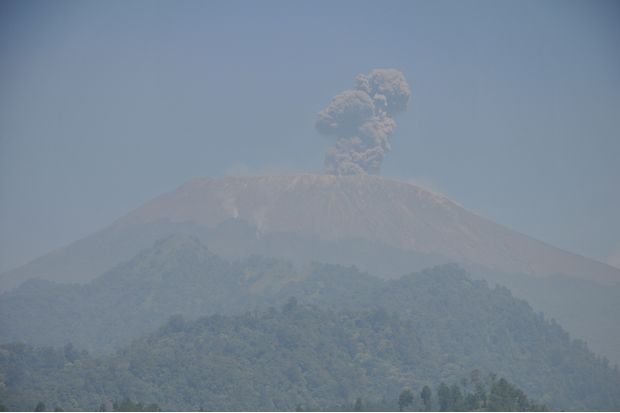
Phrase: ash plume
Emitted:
{"points": [[362, 121]]}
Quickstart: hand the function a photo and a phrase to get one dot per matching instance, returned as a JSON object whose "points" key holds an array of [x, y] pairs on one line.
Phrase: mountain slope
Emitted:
{"points": [[325, 208], [276, 360], [366, 221], [433, 325], [177, 275], [366, 207]]}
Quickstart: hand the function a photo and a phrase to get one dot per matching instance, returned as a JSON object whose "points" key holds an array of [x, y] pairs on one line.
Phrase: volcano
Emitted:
{"points": [[382, 226], [324, 208]]}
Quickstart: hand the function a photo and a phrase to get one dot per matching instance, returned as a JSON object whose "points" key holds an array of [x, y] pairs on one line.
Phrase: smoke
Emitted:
{"points": [[362, 121]]}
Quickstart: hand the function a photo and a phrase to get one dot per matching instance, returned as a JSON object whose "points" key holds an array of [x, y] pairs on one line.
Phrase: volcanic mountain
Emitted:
{"points": [[382, 226], [367, 207], [323, 208]]}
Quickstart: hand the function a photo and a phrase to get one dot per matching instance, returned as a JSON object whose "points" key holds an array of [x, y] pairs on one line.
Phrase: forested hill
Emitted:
{"points": [[270, 360], [370, 334], [177, 275]]}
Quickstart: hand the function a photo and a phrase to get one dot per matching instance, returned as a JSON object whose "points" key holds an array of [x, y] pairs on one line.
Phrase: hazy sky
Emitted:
{"points": [[515, 109]]}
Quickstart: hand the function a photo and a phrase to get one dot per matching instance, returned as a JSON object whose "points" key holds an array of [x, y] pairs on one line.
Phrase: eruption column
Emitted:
{"points": [[362, 122]]}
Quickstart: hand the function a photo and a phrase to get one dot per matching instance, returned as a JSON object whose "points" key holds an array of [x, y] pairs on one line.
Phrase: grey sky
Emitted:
{"points": [[515, 109]]}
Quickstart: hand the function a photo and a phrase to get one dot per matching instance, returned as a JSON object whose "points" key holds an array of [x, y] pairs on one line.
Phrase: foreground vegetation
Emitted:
{"points": [[268, 360], [346, 335], [276, 360], [473, 394]]}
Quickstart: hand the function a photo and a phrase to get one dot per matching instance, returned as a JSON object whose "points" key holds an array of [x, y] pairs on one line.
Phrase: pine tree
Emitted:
{"points": [[443, 397], [358, 405], [427, 398], [405, 399]]}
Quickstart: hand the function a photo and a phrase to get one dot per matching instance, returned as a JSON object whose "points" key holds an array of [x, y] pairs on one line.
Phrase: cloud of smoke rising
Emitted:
{"points": [[362, 121]]}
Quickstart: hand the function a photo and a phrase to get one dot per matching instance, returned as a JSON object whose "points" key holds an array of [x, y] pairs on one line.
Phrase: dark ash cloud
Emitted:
{"points": [[362, 122]]}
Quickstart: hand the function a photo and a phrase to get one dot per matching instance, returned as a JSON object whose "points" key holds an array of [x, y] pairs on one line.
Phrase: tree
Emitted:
{"points": [[480, 396], [405, 399], [58, 409], [501, 396], [427, 398], [456, 398], [40, 407], [443, 397], [358, 405]]}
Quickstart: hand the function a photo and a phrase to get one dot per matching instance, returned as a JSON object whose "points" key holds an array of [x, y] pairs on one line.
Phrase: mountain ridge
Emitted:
{"points": [[349, 221], [396, 213], [449, 324]]}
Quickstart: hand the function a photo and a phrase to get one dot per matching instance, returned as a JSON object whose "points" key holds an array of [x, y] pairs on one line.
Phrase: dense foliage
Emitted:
{"points": [[469, 394], [467, 325], [176, 276], [350, 336], [272, 360]]}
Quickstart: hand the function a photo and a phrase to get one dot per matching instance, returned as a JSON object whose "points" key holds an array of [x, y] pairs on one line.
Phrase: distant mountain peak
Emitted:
{"points": [[369, 207], [168, 253]]}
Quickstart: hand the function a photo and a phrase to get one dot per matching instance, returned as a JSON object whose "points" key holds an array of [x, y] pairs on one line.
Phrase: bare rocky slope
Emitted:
{"points": [[323, 207], [398, 214]]}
